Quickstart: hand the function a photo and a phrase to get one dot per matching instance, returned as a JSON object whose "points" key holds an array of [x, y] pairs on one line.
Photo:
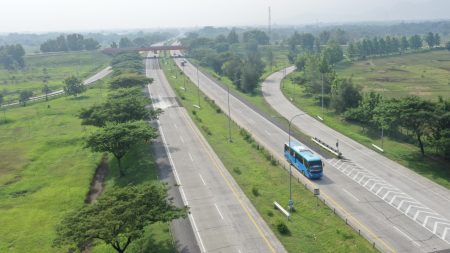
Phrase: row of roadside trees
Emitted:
{"points": [[121, 215]]}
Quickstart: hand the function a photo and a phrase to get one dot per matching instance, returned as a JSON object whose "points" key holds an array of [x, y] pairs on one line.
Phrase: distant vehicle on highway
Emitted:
{"points": [[304, 160]]}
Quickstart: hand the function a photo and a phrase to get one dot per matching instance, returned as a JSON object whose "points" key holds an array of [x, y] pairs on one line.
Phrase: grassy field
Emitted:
{"points": [[45, 172], [312, 228], [58, 66], [404, 153], [424, 74]]}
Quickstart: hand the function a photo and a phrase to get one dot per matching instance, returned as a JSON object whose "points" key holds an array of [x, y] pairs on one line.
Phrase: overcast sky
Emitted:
{"points": [[82, 15]]}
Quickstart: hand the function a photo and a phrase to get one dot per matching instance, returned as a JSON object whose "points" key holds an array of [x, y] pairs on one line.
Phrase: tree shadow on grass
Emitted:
{"points": [[138, 165], [149, 243], [83, 97]]}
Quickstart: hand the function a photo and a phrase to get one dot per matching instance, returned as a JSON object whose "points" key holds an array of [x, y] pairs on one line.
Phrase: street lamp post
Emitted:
{"points": [[291, 202], [198, 88], [229, 115], [184, 78]]}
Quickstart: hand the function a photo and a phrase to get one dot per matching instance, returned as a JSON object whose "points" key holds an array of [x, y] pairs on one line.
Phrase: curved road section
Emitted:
{"points": [[413, 206], [222, 218]]}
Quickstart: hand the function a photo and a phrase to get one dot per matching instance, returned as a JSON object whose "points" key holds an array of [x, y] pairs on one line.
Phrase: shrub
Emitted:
{"points": [[255, 191], [206, 129], [283, 228], [270, 213], [237, 170]]}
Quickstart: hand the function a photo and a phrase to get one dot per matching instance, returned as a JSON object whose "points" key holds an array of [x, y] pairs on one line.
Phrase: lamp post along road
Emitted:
{"points": [[198, 88], [291, 202]]}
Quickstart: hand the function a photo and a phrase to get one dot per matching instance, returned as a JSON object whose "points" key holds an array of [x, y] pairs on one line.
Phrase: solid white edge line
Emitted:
{"points": [[407, 236], [177, 179]]}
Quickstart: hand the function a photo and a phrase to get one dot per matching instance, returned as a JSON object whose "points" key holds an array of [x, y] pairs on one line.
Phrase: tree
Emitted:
{"points": [[437, 39], [117, 218], [333, 53], [260, 37], [74, 86], [441, 127], [125, 43], [232, 37], [11, 56], [300, 62], [75, 42], [430, 39], [345, 95], [24, 96], [415, 42], [114, 45], [447, 45], [324, 37], [46, 90], [270, 58], [119, 138], [129, 80], [91, 44], [1, 99], [122, 105], [415, 115], [404, 44]]}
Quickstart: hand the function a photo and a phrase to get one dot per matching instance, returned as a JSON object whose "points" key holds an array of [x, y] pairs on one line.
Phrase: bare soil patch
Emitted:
{"points": [[97, 185]]}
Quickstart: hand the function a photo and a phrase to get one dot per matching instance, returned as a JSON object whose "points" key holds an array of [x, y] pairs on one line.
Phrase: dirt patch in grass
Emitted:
{"points": [[97, 184]]}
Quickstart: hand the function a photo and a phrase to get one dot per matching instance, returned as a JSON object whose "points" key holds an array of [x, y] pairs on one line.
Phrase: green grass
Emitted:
{"points": [[140, 167], [425, 74], [312, 228], [44, 170], [59, 66], [404, 153]]}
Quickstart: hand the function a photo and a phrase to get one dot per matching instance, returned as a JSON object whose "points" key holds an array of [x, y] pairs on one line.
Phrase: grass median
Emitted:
{"points": [[313, 227]]}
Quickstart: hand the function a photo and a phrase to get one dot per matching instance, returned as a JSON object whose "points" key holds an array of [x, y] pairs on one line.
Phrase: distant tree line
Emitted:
{"points": [[141, 41], [391, 45], [11, 56], [237, 58], [71, 42]]}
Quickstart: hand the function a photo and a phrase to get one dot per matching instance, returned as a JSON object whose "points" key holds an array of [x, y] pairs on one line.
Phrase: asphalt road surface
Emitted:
{"points": [[365, 192], [222, 218]]}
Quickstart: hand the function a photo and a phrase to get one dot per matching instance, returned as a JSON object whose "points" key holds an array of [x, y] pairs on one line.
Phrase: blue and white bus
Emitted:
{"points": [[308, 163]]}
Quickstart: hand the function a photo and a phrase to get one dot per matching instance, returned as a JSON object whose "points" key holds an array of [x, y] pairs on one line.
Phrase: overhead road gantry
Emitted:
{"points": [[154, 49]]}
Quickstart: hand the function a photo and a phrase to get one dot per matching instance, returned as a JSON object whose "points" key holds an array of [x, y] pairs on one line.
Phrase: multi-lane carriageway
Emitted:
{"points": [[221, 216], [397, 212]]}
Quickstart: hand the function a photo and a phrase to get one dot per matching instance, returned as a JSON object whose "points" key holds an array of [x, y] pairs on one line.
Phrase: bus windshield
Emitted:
{"points": [[315, 166]]}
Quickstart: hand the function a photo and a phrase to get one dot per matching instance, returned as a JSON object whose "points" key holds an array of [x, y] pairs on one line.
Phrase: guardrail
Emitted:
{"points": [[327, 147], [279, 207]]}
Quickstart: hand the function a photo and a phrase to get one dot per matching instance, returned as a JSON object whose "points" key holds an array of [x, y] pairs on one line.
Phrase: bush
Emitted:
{"points": [[206, 129], [283, 228], [255, 191], [237, 170], [270, 213], [247, 136]]}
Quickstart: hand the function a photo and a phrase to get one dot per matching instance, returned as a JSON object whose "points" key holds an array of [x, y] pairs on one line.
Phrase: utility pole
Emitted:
{"points": [[198, 88], [229, 116]]}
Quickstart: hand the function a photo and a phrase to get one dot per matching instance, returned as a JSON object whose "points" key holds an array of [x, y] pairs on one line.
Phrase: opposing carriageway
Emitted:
{"points": [[382, 223]]}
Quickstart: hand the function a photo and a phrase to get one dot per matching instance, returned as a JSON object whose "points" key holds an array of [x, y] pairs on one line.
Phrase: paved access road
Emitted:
{"points": [[101, 74], [421, 200], [367, 197], [222, 218]]}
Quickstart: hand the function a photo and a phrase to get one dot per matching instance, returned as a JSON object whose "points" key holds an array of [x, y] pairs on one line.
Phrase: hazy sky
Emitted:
{"points": [[77, 15]]}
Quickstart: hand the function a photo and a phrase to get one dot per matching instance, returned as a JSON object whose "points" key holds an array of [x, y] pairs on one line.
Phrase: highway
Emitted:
{"points": [[99, 75], [365, 195], [221, 216]]}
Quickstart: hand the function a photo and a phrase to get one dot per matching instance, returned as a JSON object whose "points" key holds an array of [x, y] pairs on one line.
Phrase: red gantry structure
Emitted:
{"points": [[155, 49]]}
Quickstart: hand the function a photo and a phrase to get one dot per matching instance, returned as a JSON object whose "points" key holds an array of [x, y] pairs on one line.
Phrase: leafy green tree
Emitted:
{"points": [[415, 115], [117, 218], [365, 111], [1, 99], [345, 95], [233, 70], [114, 45], [270, 58], [447, 45], [129, 80], [232, 37], [119, 138], [260, 37], [75, 42], [11, 56], [24, 96], [404, 44], [324, 37], [74, 86], [430, 39], [300, 62], [415, 42], [91, 44], [313, 75], [440, 127], [122, 105], [125, 43], [333, 53], [385, 115], [437, 39]]}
